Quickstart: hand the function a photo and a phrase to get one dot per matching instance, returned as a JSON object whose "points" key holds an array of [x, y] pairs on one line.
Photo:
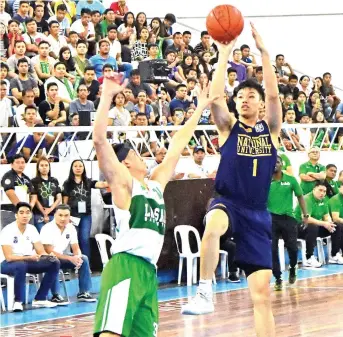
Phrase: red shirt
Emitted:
{"points": [[119, 10]]}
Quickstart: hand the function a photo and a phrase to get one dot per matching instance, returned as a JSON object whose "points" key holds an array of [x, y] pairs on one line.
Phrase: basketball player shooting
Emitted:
{"points": [[248, 157], [127, 303]]}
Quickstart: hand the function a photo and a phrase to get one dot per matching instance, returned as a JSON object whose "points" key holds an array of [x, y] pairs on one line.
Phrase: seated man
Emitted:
{"points": [[57, 236], [196, 169], [319, 222], [24, 253]]}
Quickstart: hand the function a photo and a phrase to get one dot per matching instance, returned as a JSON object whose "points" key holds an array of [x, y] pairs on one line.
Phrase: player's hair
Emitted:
{"points": [[73, 33], [244, 46], [52, 84], [95, 12], [24, 2], [327, 73], [108, 10], [180, 86], [150, 45], [22, 60], [13, 20], [186, 32], [170, 17], [30, 107], [86, 11], [258, 69], [102, 41], [303, 76], [107, 66], [63, 207], [320, 183], [141, 114], [82, 84], [38, 174], [235, 50], [21, 204], [82, 42], [278, 55], [293, 77], [2, 82], [29, 20], [301, 93], [251, 84], [17, 42], [330, 166], [26, 91], [231, 70], [288, 93], [203, 33]]}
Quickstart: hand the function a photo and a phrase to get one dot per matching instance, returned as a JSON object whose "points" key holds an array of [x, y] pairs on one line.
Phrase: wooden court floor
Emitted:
{"points": [[314, 307]]}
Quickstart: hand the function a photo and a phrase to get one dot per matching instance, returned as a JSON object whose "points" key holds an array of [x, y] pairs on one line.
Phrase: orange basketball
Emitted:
{"points": [[224, 23]]}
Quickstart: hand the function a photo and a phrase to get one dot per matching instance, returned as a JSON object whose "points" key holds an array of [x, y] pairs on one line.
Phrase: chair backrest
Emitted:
{"points": [[184, 232], [101, 242]]}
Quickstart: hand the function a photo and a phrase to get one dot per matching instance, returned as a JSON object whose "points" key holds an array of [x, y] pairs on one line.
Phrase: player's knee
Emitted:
{"points": [[217, 223], [261, 296]]}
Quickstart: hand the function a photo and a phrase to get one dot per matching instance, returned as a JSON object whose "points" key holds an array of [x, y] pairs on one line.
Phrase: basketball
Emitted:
{"points": [[224, 23]]}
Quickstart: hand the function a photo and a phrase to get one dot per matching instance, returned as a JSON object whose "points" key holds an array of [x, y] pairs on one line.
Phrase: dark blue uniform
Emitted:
{"points": [[242, 184]]}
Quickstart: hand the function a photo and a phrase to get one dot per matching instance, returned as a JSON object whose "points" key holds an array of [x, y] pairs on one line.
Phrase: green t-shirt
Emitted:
{"points": [[334, 186], [307, 186], [280, 199], [315, 208], [285, 161], [339, 184], [336, 204]]}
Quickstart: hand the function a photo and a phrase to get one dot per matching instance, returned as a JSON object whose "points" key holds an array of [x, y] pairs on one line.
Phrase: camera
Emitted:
{"points": [[154, 71]]}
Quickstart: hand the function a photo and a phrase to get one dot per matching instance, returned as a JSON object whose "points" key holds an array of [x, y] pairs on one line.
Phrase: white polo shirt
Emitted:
{"points": [[21, 243], [194, 168], [52, 235]]}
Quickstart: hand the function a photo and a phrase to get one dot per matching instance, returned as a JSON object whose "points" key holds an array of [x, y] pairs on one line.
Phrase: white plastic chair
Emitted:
{"points": [[302, 247], [101, 242], [192, 258], [320, 249]]}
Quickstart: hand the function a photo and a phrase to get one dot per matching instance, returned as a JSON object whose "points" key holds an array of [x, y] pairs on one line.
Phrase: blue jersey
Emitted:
{"points": [[247, 164]]}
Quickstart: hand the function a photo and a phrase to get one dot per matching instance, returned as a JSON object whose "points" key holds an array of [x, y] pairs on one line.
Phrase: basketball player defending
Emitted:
{"points": [[248, 157], [128, 297]]}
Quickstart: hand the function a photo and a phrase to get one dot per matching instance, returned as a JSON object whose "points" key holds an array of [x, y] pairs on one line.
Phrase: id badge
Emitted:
{"points": [[51, 200], [81, 206]]}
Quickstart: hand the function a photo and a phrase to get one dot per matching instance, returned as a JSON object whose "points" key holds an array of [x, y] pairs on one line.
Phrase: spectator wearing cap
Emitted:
{"points": [[24, 253], [57, 236], [180, 99], [196, 169], [311, 171], [17, 185]]}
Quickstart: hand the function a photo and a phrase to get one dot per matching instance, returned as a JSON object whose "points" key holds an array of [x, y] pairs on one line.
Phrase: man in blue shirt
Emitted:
{"points": [[29, 146], [98, 61], [93, 5], [180, 100]]}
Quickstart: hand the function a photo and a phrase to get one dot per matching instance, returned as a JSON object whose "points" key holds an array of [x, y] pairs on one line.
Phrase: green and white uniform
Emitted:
{"points": [[127, 303]]}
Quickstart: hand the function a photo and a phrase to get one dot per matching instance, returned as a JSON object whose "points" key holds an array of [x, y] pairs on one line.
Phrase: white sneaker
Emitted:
{"points": [[312, 262], [201, 304], [338, 259], [17, 306], [43, 304]]}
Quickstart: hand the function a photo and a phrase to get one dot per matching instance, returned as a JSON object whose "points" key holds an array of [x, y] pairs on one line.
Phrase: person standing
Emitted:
{"points": [[284, 225], [77, 194]]}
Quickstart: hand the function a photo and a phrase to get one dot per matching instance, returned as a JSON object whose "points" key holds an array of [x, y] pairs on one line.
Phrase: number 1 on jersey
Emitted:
{"points": [[254, 169]]}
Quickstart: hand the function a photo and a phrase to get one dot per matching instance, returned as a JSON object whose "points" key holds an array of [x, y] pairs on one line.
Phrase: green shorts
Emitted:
{"points": [[127, 303]]}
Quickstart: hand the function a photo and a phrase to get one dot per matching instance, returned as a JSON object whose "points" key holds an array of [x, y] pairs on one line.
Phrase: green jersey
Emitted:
{"points": [[334, 186], [336, 204], [285, 161], [307, 186], [315, 208], [280, 199], [140, 230], [339, 184]]}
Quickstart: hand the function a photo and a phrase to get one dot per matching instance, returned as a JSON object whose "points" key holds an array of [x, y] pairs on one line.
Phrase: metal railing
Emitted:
{"points": [[62, 145]]}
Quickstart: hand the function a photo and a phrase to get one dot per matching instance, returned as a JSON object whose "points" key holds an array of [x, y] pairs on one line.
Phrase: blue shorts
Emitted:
{"points": [[251, 230]]}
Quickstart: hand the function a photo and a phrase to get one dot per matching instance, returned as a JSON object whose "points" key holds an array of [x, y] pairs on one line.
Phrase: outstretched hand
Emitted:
{"points": [[204, 99], [225, 47], [257, 37], [112, 84]]}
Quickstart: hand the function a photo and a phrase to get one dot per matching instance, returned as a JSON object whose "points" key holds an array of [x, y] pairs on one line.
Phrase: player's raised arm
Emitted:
{"points": [[273, 104], [116, 174], [223, 119], [165, 170]]}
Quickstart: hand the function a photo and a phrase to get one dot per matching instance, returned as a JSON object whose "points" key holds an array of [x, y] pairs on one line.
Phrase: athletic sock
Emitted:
{"points": [[205, 286]]}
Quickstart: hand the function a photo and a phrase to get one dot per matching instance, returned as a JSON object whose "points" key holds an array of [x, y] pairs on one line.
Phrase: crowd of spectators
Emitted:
{"points": [[54, 55]]}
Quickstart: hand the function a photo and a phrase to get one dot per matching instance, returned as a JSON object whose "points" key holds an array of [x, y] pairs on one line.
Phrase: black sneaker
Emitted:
{"points": [[292, 275], [85, 297], [278, 284], [59, 300], [233, 278]]}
